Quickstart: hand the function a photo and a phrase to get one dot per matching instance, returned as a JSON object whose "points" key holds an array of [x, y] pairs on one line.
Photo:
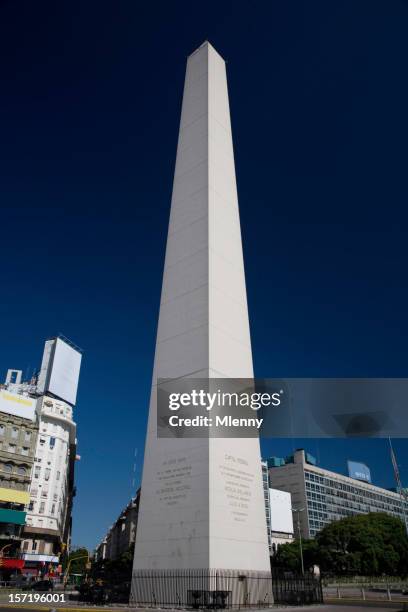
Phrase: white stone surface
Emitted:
{"points": [[187, 519]]}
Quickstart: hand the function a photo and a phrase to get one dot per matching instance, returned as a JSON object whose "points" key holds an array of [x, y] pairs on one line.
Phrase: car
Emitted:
{"points": [[39, 585]]}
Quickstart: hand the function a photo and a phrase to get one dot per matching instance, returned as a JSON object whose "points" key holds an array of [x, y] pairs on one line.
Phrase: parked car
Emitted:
{"points": [[39, 585]]}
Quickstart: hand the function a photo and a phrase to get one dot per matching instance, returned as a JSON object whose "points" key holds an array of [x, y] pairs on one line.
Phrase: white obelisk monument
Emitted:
{"points": [[202, 506]]}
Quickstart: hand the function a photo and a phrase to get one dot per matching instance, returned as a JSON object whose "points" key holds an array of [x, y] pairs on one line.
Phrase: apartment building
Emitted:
{"points": [[46, 451], [122, 535], [18, 437]]}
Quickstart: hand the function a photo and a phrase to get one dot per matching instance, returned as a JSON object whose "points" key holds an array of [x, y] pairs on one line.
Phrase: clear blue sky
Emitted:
{"points": [[90, 103]]}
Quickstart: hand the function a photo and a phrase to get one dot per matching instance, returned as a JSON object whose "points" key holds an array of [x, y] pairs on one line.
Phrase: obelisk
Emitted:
{"points": [[189, 522]]}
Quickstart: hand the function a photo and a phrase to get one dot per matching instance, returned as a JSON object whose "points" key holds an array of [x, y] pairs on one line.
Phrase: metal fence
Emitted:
{"points": [[297, 589], [221, 589]]}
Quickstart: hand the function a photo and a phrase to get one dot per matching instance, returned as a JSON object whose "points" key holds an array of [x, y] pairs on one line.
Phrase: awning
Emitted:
{"points": [[12, 516], [11, 563]]}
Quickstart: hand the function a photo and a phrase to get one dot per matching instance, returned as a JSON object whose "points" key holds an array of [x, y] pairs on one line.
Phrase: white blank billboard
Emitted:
{"points": [[63, 371], [18, 405], [281, 511]]}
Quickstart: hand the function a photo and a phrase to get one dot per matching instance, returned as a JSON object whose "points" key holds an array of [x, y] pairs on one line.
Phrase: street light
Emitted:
{"points": [[297, 511]]}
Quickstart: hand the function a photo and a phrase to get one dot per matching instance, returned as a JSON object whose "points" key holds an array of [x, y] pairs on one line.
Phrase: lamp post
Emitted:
{"points": [[297, 511]]}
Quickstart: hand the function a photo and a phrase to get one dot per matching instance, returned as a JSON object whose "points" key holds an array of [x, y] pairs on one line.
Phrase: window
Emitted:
{"points": [[21, 471], [42, 441], [52, 442], [24, 450], [31, 505], [12, 448], [58, 475], [42, 508], [8, 467], [1, 430], [53, 509], [27, 436], [34, 546], [47, 473], [37, 471], [14, 432]]}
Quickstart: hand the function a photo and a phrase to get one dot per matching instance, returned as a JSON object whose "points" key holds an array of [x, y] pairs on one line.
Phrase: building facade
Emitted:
{"points": [[322, 497], [43, 454], [278, 510], [18, 437], [47, 531], [265, 483], [122, 535]]}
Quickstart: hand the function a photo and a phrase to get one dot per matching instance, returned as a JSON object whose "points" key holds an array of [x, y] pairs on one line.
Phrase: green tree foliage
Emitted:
{"points": [[366, 544], [371, 544], [288, 555], [114, 571]]}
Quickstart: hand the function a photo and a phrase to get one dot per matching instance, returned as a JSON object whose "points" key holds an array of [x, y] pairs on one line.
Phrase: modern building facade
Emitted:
{"points": [[322, 496], [265, 484], [122, 535]]}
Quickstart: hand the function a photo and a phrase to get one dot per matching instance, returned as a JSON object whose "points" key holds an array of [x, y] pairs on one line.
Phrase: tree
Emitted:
{"points": [[366, 544], [371, 544], [288, 555], [115, 571]]}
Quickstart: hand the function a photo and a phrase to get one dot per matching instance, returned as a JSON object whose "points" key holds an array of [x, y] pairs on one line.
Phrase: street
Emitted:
{"points": [[351, 607]]}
